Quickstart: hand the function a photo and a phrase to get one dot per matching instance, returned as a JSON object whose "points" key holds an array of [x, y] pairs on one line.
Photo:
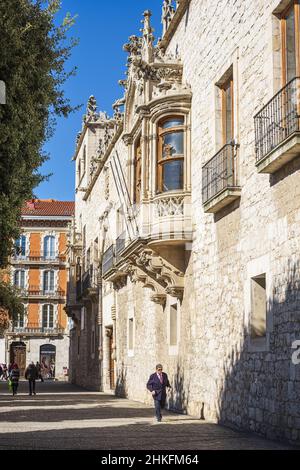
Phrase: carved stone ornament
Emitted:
{"points": [[107, 188], [93, 166], [91, 109], [108, 332], [168, 11], [159, 299], [175, 291], [78, 138], [168, 206]]}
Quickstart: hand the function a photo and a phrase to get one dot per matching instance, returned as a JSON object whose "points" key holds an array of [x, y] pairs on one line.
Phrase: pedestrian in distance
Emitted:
{"points": [[4, 372], [157, 384], [31, 374], [14, 376]]}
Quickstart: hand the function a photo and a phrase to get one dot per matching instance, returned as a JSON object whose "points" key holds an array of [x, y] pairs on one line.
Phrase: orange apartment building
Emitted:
{"points": [[38, 270]]}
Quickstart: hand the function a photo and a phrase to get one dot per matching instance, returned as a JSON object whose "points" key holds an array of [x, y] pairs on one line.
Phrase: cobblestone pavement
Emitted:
{"points": [[62, 416]]}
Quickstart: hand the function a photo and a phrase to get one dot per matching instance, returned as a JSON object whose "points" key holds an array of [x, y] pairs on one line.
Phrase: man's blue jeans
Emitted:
{"points": [[157, 405]]}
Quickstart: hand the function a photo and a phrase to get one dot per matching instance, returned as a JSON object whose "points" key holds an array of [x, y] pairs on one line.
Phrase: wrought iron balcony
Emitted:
{"points": [[277, 129], [219, 182], [108, 262], [120, 245], [35, 329], [35, 257], [37, 292]]}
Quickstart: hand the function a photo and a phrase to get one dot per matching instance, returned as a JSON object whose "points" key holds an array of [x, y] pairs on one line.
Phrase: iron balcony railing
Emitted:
{"points": [[218, 173], [36, 328], [120, 245], [278, 119], [35, 256], [36, 291], [108, 261]]}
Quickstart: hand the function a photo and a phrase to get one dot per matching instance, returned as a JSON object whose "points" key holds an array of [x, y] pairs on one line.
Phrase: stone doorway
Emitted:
{"points": [[18, 355], [47, 360]]}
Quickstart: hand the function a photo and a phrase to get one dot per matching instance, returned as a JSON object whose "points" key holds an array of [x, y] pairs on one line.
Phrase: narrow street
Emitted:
{"points": [[62, 416]]}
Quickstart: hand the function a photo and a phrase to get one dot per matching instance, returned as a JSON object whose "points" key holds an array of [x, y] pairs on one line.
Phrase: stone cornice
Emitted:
{"points": [[181, 9], [169, 98]]}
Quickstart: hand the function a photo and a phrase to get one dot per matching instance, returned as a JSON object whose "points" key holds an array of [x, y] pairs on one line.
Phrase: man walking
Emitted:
{"points": [[31, 374], [14, 376], [157, 384]]}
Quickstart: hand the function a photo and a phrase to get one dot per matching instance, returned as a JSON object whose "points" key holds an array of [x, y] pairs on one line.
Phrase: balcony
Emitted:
{"points": [[219, 181], [35, 292], [277, 131], [108, 262], [35, 258], [89, 283], [35, 330], [120, 245]]}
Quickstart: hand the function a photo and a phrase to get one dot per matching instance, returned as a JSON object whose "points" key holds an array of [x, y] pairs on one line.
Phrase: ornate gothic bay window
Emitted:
{"points": [[170, 162]]}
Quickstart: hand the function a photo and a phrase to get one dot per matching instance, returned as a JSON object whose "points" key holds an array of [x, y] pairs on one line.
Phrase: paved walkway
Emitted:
{"points": [[62, 416]]}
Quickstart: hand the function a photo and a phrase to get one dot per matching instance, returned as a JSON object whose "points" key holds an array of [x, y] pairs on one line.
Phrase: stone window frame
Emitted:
{"points": [[56, 277], [49, 307], [279, 31], [169, 108], [25, 317], [229, 70], [14, 270], [55, 313], [27, 245], [255, 268], [160, 161], [49, 233]]}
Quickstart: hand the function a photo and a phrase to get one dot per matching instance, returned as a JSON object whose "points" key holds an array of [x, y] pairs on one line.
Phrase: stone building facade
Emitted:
{"points": [[38, 270], [185, 245]]}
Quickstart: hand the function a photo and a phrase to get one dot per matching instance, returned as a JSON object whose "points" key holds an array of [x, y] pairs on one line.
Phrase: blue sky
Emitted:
{"points": [[102, 28]]}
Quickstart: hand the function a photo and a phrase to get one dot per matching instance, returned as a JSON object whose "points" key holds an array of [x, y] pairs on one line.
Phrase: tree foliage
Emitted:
{"points": [[33, 53], [10, 304]]}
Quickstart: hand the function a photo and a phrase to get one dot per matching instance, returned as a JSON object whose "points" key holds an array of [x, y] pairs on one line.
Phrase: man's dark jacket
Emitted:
{"points": [[154, 384]]}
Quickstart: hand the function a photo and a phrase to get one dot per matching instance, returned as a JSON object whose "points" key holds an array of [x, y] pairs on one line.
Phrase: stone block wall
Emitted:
{"points": [[215, 373]]}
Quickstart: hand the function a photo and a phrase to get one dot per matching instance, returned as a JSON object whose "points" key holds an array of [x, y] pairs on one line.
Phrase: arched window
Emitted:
{"points": [[48, 316], [48, 281], [20, 246], [170, 160], [49, 246], [19, 278]]}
